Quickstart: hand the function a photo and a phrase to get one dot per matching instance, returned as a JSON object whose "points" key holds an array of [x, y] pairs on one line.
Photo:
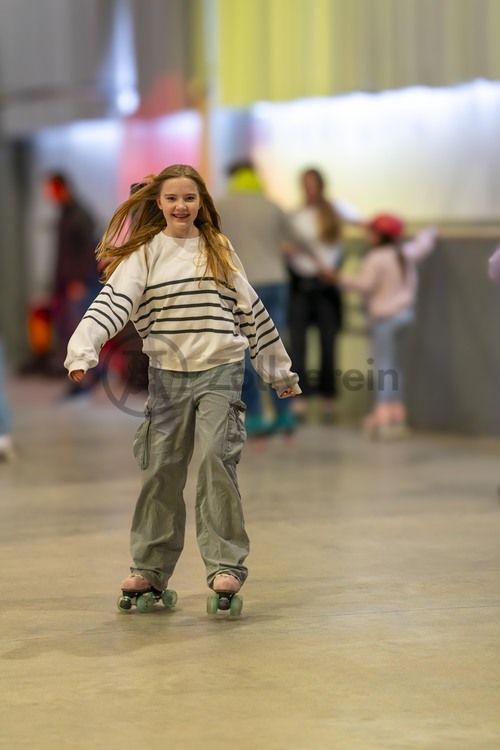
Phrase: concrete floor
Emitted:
{"points": [[371, 616]]}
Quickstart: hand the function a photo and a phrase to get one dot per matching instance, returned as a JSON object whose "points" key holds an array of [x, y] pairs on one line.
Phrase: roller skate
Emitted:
{"points": [[225, 595], [137, 590]]}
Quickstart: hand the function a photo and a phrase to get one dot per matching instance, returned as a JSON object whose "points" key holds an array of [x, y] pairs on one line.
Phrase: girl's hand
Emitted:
{"points": [[288, 249], [77, 375], [329, 276], [289, 392]]}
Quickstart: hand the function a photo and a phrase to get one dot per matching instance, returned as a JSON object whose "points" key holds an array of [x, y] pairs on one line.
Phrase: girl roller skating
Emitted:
{"points": [[171, 271]]}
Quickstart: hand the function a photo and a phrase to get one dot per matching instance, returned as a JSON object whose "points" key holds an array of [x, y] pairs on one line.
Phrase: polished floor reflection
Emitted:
{"points": [[371, 616]]}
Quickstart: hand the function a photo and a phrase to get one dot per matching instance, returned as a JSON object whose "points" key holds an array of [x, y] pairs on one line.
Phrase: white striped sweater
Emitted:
{"points": [[187, 321]]}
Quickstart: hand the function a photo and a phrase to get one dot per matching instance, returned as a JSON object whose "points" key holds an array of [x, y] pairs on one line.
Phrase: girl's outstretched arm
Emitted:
{"points": [[421, 245], [268, 355], [108, 314]]}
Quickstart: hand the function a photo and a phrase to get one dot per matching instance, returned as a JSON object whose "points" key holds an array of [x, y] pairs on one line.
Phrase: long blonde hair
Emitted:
{"points": [[139, 219], [329, 219]]}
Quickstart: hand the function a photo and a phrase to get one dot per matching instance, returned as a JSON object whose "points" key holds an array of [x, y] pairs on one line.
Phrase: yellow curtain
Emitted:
{"points": [[263, 45], [284, 49]]}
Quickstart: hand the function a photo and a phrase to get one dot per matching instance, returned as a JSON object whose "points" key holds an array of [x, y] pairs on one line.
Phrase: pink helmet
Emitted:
{"points": [[388, 225]]}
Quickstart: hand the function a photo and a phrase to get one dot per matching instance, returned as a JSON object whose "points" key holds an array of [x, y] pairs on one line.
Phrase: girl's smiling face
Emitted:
{"points": [[179, 201]]}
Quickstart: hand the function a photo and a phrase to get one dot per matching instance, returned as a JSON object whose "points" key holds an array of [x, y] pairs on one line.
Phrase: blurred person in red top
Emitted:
{"points": [[76, 276]]}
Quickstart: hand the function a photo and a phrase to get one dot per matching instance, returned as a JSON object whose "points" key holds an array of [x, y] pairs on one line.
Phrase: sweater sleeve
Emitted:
{"points": [[268, 355], [109, 312], [364, 281], [421, 245]]}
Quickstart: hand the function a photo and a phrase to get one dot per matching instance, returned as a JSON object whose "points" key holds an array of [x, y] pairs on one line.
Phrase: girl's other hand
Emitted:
{"points": [[329, 276], [77, 375], [288, 393]]}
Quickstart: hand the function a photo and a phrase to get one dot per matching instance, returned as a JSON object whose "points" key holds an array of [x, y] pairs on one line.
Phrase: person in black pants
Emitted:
{"points": [[315, 300]]}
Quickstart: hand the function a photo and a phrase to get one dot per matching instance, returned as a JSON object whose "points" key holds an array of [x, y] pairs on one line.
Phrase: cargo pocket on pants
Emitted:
{"points": [[142, 439], [235, 432]]}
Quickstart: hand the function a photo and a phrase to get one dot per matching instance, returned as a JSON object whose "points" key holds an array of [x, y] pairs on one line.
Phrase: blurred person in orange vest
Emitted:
{"points": [[262, 233]]}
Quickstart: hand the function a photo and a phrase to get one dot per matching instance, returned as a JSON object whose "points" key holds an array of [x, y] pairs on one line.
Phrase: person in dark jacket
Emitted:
{"points": [[76, 277]]}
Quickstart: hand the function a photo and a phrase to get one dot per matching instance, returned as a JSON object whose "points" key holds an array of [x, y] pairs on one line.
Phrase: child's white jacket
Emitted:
{"points": [[187, 323]]}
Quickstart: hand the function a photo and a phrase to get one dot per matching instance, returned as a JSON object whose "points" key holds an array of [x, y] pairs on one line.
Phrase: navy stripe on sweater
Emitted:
{"points": [[190, 317], [190, 292], [99, 323]]}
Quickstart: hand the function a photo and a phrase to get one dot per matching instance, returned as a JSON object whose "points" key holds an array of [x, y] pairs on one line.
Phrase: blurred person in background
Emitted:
{"points": [[76, 276], [494, 266], [261, 232], [6, 446], [314, 300], [387, 281]]}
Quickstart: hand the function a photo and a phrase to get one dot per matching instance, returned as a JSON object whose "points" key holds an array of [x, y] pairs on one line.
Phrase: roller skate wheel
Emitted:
{"points": [[124, 603], [169, 598], [236, 606], [146, 602], [224, 602], [212, 604]]}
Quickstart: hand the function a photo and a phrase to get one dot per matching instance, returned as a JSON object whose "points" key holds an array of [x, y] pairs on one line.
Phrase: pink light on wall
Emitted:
{"points": [[150, 145], [168, 93]]}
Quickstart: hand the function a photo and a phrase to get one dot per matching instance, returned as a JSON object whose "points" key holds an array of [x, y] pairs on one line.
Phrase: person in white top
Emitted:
{"points": [[178, 279], [313, 299], [387, 281]]}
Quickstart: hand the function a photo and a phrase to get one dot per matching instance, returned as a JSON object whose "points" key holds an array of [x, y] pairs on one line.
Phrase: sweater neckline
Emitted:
{"points": [[180, 240], [188, 246]]}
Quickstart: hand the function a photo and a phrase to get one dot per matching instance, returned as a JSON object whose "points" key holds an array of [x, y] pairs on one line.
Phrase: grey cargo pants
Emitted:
{"points": [[180, 403]]}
